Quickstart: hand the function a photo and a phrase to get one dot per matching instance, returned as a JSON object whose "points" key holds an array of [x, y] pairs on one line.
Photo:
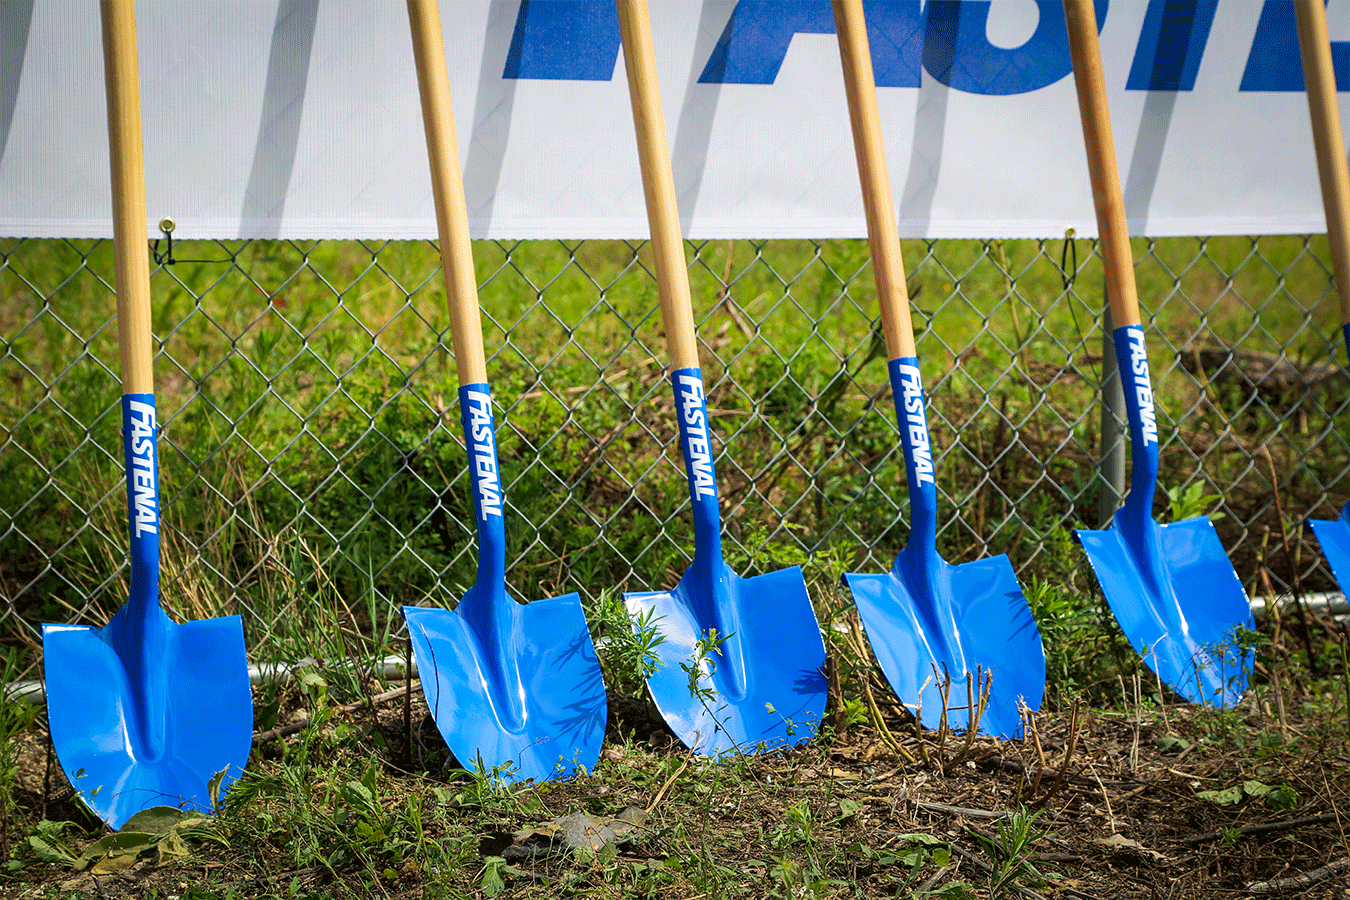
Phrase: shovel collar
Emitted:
{"points": [[910, 415], [924, 575], [1135, 518], [1133, 359], [696, 445], [140, 431], [489, 501]]}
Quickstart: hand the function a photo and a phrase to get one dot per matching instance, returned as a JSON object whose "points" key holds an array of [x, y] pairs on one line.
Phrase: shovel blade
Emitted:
{"points": [[955, 625], [1334, 536], [763, 687], [129, 741], [1184, 617], [544, 720]]}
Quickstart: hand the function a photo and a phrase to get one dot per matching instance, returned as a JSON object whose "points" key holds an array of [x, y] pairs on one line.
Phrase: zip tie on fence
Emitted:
{"points": [[1069, 247], [1068, 273], [166, 227]]}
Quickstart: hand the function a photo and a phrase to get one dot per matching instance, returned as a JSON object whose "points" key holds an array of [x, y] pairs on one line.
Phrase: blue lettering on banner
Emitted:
{"points": [[949, 38], [916, 423], [756, 38], [698, 449], [1143, 391], [567, 40], [560, 40], [1171, 43], [579, 40], [957, 51], [1274, 63], [483, 454], [144, 499]]}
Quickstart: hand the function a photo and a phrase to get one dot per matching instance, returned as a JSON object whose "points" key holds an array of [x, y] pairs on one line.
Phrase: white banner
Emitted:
{"points": [[300, 119]]}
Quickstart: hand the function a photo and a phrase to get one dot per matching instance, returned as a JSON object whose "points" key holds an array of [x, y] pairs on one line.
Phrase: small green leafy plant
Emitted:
{"points": [[160, 834], [1190, 501], [703, 664], [1009, 852], [492, 878], [918, 851], [626, 645], [1276, 796]]}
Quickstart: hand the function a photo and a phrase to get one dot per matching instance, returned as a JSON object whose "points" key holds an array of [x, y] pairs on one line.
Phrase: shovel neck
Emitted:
{"points": [[1345, 333], [480, 438], [911, 416], [140, 442], [696, 444], [139, 631], [1132, 357]]}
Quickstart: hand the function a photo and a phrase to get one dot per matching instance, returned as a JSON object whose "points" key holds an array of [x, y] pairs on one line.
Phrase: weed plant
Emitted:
{"points": [[1009, 852]]}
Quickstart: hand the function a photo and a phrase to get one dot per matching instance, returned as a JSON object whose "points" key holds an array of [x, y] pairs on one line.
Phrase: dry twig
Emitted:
{"points": [[286, 730], [1298, 882], [1263, 828], [669, 781]]}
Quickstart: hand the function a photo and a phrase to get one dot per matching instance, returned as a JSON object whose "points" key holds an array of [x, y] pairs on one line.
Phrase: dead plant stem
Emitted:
{"points": [[1068, 754], [668, 782], [1278, 687], [1314, 662], [860, 647], [407, 696], [286, 730], [1040, 753]]}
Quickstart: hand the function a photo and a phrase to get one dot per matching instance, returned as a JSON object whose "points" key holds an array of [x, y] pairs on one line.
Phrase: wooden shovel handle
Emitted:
{"points": [[888, 265], [447, 188], [658, 183], [1320, 78], [1107, 199], [121, 80]]}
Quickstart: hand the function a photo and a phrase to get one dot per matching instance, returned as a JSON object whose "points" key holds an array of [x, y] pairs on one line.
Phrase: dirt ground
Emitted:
{"points": [[1117, 805]]}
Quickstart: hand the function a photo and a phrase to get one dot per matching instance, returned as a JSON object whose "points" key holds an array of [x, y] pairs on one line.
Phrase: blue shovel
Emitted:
{"points": [[1171, 587], [1315, 46], [947, 637], [143, 712], [515, 689], [741, 664]]}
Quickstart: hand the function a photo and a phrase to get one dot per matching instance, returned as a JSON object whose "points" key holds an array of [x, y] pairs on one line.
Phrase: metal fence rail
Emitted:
{"points": [[311, 458]]}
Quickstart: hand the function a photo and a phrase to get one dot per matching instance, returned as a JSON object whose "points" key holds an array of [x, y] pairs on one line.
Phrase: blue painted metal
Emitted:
{"points": [[145, 712], [515, 689], [1171, 587], [741, 664], [1334, 534], [938, 628]]}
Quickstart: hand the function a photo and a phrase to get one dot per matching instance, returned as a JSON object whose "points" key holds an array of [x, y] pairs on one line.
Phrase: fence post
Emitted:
{"points": [[1111, 474]]}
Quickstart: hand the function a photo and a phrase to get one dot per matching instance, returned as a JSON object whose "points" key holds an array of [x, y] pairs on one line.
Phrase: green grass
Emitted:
{"points": [[311, 449]]}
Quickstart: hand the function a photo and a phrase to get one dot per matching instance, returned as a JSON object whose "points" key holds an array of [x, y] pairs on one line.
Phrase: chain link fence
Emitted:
{"points": [[312, 465]]}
